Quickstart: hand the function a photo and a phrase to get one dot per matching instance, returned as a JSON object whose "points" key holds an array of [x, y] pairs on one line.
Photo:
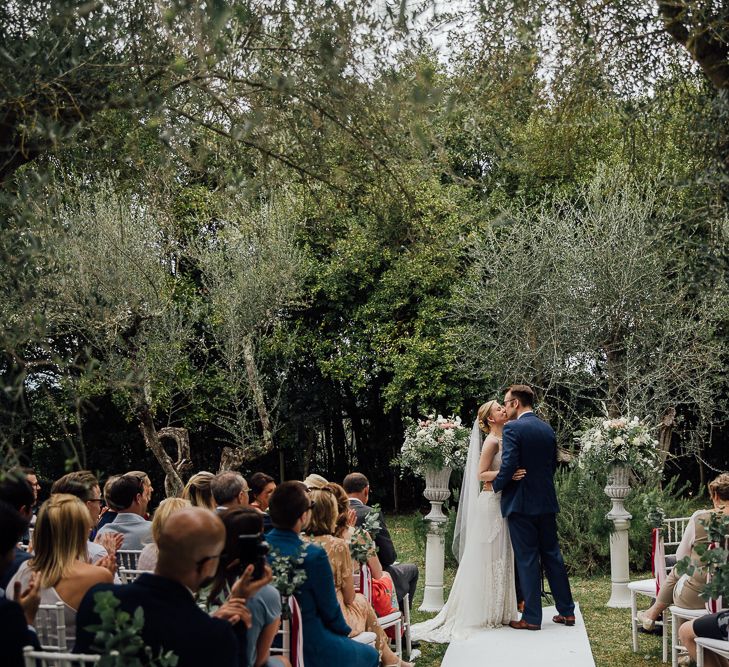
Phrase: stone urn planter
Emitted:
{"points": [[617, 489], [437, 492]]}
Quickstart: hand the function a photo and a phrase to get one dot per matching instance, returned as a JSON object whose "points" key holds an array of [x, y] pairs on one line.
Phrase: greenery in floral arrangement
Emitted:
{"points": [[117, 636], [622, 441], [435, 442], [288, 571], [362, 545], [714, 562]]}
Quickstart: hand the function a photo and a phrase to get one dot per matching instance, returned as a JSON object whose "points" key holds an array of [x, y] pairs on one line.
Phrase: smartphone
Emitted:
{"points": [[253, 549]]}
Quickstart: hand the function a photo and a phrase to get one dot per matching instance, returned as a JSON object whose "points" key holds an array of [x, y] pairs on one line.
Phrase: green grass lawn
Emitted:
{"points": [[608, 629]]}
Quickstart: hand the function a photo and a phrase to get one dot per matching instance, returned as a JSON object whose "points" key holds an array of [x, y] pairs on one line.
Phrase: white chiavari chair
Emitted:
{"points": [[672, 532], [33, 658], [128, 558], [718, 646], [50, 626], [128, 576]]}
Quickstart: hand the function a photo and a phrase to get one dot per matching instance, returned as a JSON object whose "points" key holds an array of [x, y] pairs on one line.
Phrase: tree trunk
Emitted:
{"points": [[665, 433], [258, 395], [152, 438], [613, 402]]}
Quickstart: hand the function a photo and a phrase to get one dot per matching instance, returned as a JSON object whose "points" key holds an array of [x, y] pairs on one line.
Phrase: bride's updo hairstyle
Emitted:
{"points": [[483, 415]]}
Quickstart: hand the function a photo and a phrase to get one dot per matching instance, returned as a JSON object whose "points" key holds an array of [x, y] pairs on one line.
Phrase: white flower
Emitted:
{"points": [[618, 441]]}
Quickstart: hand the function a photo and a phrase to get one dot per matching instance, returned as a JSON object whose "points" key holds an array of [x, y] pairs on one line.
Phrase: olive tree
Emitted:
{"points": [[582, 298]]}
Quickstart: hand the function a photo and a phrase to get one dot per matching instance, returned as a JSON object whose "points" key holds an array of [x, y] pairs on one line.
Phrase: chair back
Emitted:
{"points": [[128, 558], [292, 636], [365, 582], [673, 530], [714, 605], [33, 658], [128, 576], [50, 626]]}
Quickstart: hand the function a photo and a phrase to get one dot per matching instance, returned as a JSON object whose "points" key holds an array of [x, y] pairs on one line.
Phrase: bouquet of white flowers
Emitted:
{"points": [[435, 442], [623, 441]]}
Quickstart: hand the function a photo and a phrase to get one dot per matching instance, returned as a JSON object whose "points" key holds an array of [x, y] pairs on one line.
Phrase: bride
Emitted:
{"points": [[483, 593]]}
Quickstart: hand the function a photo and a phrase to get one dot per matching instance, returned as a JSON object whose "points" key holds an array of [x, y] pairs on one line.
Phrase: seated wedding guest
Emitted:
{"points": [[265, 605], [198, 491], [16, 492], [711, 626], [314, 481], [84, 485], [405, 575], [60, 537], [326, 633], [16, 618], [684, 590], [148, 558], [230, 490], [128, 493], [108, 513], [358, 612], [261, 488], [190, 543]]}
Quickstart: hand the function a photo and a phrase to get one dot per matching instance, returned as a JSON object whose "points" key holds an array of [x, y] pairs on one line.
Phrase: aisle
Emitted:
{"points": [[553, 645]]}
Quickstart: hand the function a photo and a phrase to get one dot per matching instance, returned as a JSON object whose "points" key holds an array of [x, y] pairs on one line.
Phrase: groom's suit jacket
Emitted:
{"points": [[528, 443]]}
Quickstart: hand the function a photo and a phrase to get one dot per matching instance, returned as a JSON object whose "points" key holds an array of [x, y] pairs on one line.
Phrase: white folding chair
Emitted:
{"points": [[680, 615], [673, 530], [393, 620], [128, 558], [718, 646], [50, 626], [33, 658], [128, 576], [292, 637], [369, 638]]}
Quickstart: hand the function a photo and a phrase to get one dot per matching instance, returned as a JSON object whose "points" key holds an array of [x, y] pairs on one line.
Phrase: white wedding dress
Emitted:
{"points": [[483, 593]]}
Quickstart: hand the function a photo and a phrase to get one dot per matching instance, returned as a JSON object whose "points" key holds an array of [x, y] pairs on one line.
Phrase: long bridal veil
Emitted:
{"points": [[470, 488], [483, 594]]}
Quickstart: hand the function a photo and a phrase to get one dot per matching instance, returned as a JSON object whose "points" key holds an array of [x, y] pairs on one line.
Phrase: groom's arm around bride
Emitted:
{"points": [[531, 506]]}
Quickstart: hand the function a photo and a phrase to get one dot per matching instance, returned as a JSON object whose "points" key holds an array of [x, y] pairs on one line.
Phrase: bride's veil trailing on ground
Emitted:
{"points": [[469, 492]]}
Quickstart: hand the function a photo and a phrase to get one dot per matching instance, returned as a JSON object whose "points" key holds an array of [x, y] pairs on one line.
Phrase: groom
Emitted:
{"points": [[531, 507]]}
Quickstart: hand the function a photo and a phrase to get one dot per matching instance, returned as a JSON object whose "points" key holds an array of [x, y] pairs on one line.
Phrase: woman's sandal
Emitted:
{"points": [[647, 623]]}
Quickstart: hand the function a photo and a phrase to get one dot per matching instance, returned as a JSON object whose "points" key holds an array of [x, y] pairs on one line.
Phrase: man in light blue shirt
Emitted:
{"points": [[130, 493]]}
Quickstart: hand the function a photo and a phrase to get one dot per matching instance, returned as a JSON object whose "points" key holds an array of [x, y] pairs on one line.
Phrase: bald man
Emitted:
{"points": [[189, 551]]}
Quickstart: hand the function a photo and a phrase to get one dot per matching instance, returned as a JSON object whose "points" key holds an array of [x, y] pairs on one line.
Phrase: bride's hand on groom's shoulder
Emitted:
{"points": [[519, 474]]}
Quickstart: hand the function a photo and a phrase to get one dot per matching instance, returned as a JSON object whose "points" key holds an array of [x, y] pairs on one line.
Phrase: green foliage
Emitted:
{"points": [[584, 529], [117, 636]]}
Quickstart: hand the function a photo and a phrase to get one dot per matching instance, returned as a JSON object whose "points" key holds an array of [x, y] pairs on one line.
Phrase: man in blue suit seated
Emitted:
{"points": [[326, 633], [16, 618], [531, 507], [190, 546]]}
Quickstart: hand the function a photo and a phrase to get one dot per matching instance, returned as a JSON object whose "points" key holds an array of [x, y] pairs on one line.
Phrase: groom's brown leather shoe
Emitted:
{"points": [[523, 625], [565, 620]]}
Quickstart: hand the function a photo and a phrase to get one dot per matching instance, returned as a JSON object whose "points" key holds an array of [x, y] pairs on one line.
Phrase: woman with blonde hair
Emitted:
{"points": [[58, 563], [148, 557], [685, 590], [357, 611], [198, 491], [483, 594]]}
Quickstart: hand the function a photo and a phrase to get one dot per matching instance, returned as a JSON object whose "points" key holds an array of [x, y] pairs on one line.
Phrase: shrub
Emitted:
{"points": [[584, 530]]}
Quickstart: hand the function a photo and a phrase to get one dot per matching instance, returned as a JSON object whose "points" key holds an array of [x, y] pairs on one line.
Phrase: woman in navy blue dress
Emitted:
{"points": [[325, 632]]}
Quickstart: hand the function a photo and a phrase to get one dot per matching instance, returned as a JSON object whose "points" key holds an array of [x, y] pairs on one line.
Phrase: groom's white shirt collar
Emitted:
{"points": [[526, 412]]}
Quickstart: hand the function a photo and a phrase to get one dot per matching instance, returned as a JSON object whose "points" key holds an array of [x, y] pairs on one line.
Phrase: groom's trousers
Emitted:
{"points": [[534, 538]]}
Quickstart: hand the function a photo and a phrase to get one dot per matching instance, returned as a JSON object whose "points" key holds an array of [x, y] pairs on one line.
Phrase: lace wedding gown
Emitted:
{"points": [[483, 593]]}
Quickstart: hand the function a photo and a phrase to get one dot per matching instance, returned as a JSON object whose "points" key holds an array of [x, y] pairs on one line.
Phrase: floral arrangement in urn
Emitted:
{"points": [[614, 442], [436, 442]]}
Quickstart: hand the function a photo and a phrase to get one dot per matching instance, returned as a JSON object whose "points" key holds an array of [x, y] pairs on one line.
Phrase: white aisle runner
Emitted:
{"points": [[552, 646]]}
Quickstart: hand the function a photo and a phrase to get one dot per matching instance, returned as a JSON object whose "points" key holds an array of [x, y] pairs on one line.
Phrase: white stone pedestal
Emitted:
{"points": [[437, 492], [617, 489]]}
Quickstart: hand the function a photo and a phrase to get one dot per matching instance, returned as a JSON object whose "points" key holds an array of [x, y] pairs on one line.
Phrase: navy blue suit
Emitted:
{"points": [[531, 508], [172, 622], [14, 633]]}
